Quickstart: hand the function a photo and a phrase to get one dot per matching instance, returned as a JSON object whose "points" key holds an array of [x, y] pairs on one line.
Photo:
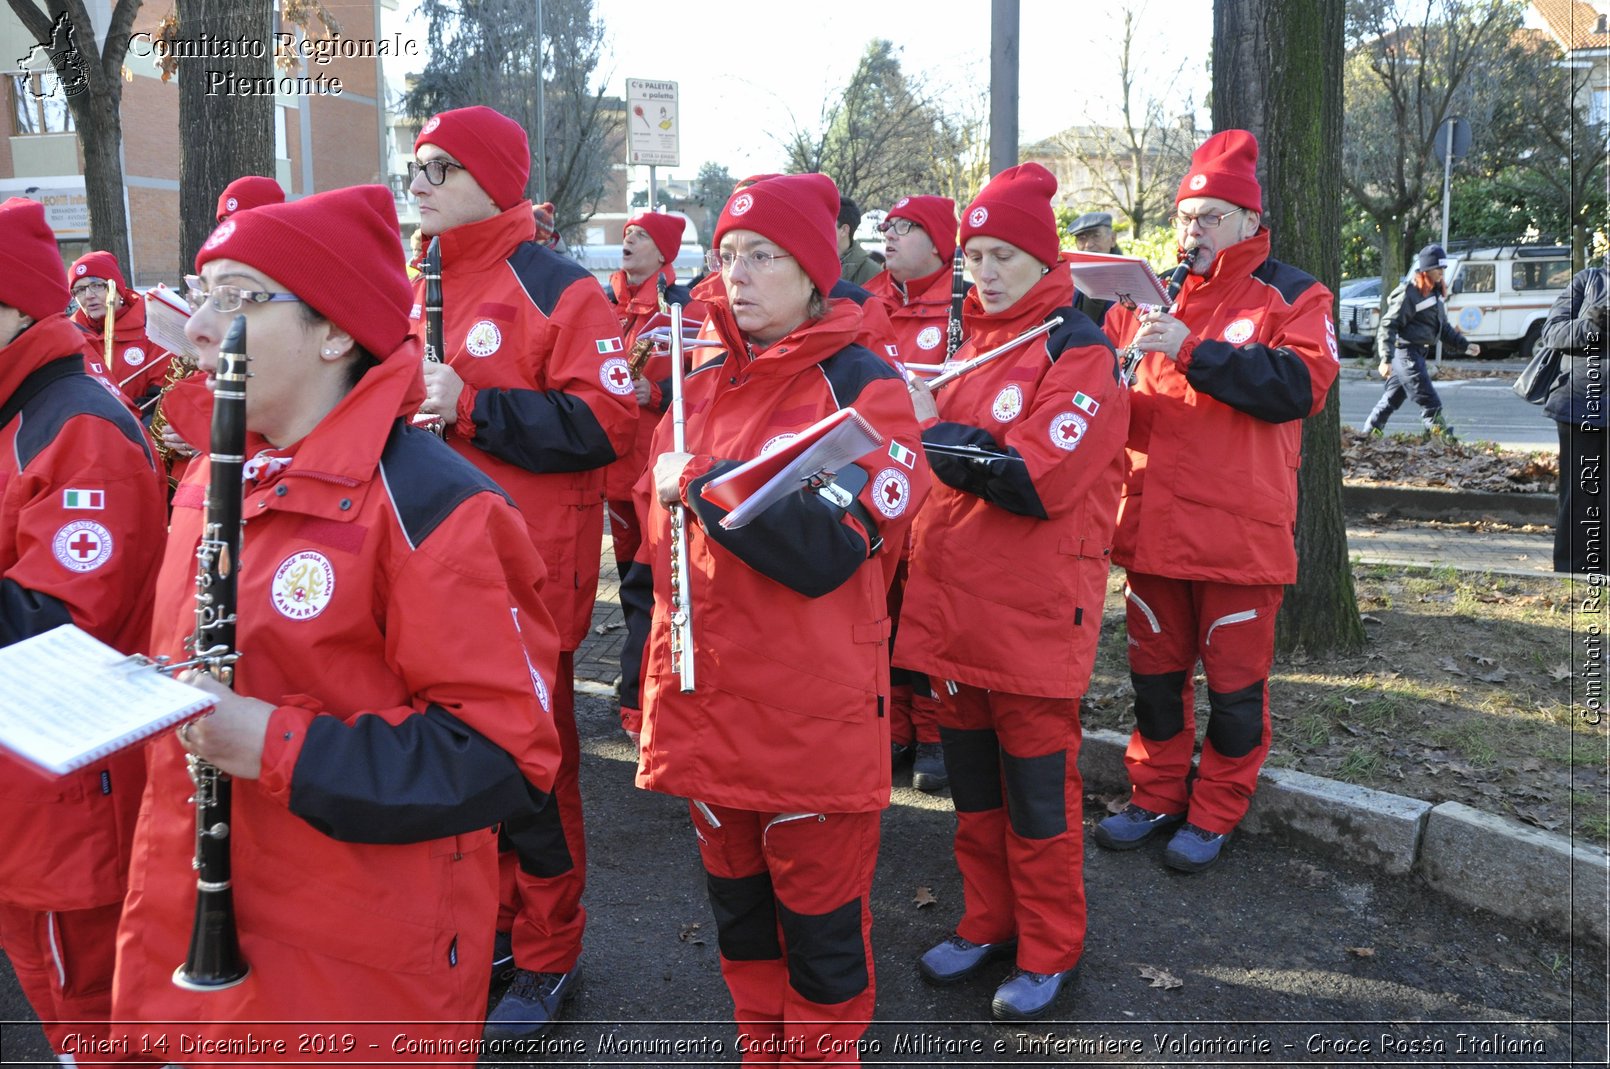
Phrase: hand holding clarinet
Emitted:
{"points": [[1157, 331]]}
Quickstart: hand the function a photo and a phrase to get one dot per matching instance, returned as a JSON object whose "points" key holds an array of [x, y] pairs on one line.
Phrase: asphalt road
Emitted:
{"points": [[1478, 409], [1283, 958]]}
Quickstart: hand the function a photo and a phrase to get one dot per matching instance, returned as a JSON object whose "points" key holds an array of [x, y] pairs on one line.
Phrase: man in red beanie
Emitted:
{"points": [[133, 363], [648, 256], [919, 241], [1205, 529], [250, 191], [535, 390], [81, 532]]}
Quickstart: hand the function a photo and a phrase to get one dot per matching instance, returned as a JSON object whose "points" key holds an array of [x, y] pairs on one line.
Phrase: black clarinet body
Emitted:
{"points": [[214, 961], [433, 325], [958, 293]]}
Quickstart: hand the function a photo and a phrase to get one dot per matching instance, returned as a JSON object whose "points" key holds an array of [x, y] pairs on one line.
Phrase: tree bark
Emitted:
{"points": [[224, 135], [93, 85], [1279, 74]]}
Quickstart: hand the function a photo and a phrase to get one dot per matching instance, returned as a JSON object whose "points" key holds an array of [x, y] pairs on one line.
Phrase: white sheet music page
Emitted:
{"points": [[1108, 277], [71, 699]]}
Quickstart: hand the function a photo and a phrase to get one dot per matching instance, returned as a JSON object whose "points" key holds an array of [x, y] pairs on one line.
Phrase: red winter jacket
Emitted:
{"points": [[1009, 562], [1210, 490], [790, 623], [639, 311], [139, 365], [919, 316], [389, 607], [547, 401], [81, 529]]}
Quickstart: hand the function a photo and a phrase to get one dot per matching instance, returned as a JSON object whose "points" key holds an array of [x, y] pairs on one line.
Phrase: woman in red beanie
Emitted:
{"points": [[1004, 600], [390, 701], [133, 363], [81, 521], [783, 750]]}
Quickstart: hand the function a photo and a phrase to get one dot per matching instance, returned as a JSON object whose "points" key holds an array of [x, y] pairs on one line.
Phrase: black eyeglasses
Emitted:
{"points": [[902, 227], [435, 170]]}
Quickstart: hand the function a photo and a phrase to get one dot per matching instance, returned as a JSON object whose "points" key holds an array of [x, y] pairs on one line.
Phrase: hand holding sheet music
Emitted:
{"points": [[1126, 280], [827, 446]]}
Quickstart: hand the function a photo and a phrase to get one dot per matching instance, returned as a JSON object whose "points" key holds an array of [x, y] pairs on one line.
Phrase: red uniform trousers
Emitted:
{"points": [[1230, 627], [63, 961], [544, 912], [1014, 775], [792, 897]]}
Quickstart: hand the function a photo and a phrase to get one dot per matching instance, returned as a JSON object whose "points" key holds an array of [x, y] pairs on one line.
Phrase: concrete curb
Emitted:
{"points": [[1481, 860], [1433, 503]]}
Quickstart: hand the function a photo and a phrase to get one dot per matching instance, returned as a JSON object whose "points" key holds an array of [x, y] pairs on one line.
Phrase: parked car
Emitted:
{"points": [[1500, 296], [1358, 313]]}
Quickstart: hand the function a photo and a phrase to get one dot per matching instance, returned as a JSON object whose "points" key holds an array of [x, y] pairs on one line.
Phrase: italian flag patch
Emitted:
{"points": [[83, 499], [903, 455], [610, 345], [1085, 403]]}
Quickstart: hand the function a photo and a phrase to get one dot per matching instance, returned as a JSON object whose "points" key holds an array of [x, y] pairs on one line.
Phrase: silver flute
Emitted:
{"points": [[681, 591]]}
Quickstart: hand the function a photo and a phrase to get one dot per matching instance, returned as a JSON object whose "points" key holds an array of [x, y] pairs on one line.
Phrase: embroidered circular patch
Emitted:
{"points": [[1067, 430], [82, 269], [1008, 404], [134, 356], [430, 127], [222, 234], [740, 204], [929, 338], [1198, 181], [231, 204], [774, 444], [616, 375], [977, 217], [902, 202], [82, 546], [893, 489], [303, 585], [484, 338], [1239, 331]]}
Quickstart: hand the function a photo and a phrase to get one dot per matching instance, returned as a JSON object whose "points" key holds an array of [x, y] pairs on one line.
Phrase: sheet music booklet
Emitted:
{"points": [[165, 316], [1108, 277], [72, 700], [827, 445]]}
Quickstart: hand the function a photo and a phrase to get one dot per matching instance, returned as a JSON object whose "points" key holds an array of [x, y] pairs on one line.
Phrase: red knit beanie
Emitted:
{"points": [[797, 211], [936, 216], [1226, 167], [542, 216], [340, 251], [98, 265], [1015, 206], [31, 278], [490, 145], [252, 191], [666, 230]]}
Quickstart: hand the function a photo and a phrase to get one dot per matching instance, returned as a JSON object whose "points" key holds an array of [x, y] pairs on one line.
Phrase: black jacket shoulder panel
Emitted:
{"points": [[850, 369], [1290, 282], [1075, 330], [427, 480], [845, 288], [544, 274], [62, 398]]}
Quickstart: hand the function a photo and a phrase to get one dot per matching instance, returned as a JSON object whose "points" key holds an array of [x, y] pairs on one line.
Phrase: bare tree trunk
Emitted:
{"points": [[224, 134], [93, 85], [1279, 74]]}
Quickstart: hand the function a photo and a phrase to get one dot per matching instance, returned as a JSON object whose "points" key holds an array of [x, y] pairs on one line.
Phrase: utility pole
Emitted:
{"points": [[542, 122], [1003, 63]]}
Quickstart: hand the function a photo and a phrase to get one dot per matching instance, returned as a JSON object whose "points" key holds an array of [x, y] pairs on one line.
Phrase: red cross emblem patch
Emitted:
{"points": [[1067, 430], [893, 492], [82, 546]]}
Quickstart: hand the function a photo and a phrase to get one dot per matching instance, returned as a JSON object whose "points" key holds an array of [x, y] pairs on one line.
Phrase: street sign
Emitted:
{"points": [[653, 128], [1461, 138]]}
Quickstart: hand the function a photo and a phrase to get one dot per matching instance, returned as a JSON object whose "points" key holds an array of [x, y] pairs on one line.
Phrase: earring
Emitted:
{"points": [[330, 350]]}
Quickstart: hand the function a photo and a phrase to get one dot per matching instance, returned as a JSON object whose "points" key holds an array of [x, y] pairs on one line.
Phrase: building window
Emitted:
{"points": [[1599, 107], [40, 107]]}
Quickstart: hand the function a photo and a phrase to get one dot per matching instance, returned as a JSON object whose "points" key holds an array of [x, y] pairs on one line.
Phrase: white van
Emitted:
{"points": [[1500, 296]]}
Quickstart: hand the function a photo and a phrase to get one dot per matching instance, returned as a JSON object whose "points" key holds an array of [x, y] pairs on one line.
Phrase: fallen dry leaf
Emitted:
{"points": [[1362, 952], [924, 897], [1560, 672], [690, 934], [1497, 675], [1485, 662], [1447, 665], [1161, 978]]}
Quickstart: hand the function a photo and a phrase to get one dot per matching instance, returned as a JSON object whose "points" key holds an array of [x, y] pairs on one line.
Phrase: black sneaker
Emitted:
{"points": [[928, 772], [503, 969], [900, 753], [533, 1002]]}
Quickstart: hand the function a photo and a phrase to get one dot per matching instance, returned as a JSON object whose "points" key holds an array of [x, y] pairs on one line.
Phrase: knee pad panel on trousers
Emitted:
{"points": [[539, 842], [973, 759], [1235, 723], [826, 953], [746, 916], [1159, 705], [1035, 794]]}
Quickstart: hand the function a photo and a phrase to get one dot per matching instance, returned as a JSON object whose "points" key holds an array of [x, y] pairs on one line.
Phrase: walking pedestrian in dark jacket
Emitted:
{"points": [[1576, 402], [1415, 319]]}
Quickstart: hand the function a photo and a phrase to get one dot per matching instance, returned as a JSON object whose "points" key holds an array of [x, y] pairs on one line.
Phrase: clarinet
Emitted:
{"points": [[681, 588], [1176, 279], [958, 293], [214, 961], [433, 320]]}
